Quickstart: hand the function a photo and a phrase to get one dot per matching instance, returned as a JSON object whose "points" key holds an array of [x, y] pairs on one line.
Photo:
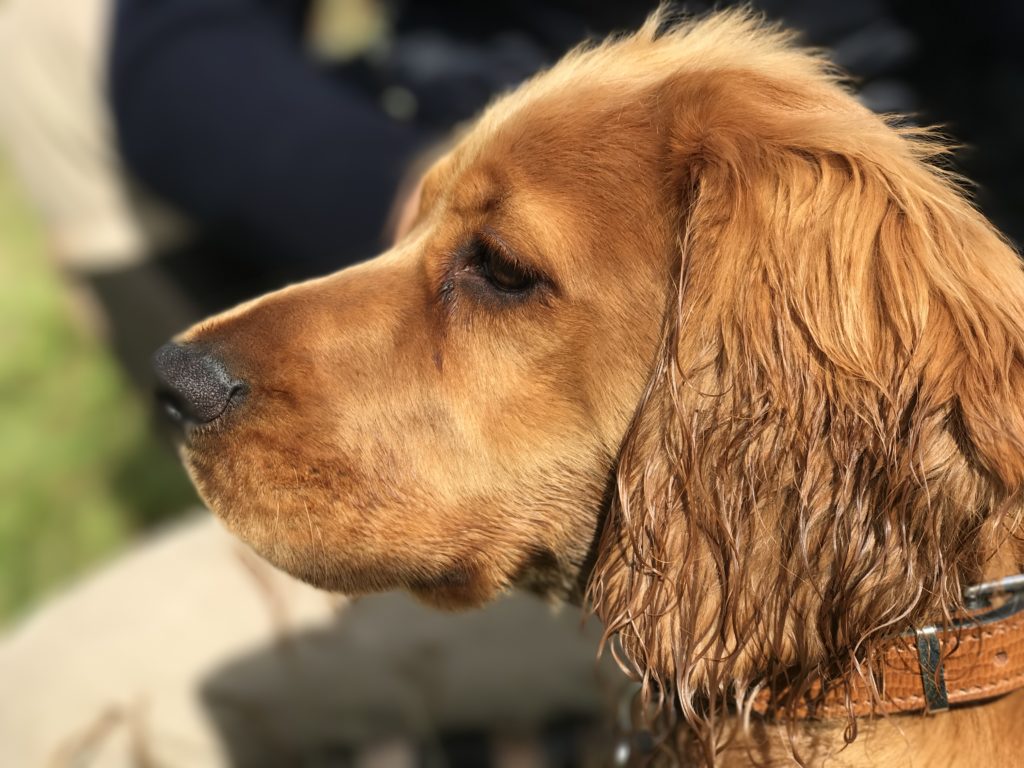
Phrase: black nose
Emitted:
{"points": [[192, 384]]}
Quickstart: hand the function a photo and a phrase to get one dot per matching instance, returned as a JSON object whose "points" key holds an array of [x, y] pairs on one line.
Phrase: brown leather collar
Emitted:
{"points": [[931, 669], [928, 670]]}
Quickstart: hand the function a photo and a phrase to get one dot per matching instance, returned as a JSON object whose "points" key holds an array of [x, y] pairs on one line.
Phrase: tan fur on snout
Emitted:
{"points": [[738, 363]]}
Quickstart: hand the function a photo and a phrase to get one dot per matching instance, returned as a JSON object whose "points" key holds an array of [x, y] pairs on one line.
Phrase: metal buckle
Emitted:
{"points": [[933, 677], [980, 595], [976, 597]]}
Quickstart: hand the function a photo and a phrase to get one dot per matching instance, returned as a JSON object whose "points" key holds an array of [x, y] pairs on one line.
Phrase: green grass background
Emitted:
{"points": [[80, 472]]}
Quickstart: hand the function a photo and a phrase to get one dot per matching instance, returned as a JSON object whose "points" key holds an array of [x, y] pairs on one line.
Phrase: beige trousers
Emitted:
{"points": [[56, 129]]}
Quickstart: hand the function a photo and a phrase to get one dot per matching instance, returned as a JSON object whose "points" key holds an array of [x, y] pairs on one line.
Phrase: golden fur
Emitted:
{"points": [[760, 405]]}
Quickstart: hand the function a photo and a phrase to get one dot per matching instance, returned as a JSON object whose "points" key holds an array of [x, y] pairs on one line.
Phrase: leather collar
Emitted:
{"points": [[933, 668], [928, 670]]}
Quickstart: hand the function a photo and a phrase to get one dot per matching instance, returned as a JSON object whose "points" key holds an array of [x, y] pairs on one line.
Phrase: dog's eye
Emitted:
{"points": [[500, 271]]}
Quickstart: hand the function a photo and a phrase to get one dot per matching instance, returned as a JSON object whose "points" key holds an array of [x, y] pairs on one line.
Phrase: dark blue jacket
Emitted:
{"points": [[220, 110]]}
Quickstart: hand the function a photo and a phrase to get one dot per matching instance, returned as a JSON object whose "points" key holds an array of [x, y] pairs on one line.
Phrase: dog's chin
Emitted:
{"points": [[329, 571], [456, 588], [451, 587]]}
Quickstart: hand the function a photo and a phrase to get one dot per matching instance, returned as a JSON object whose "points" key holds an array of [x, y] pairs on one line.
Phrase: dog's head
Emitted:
{"points": [[679, 319]]}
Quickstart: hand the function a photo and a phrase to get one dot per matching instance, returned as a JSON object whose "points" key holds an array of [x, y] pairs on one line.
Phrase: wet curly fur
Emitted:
{"points": [[754, 394]]}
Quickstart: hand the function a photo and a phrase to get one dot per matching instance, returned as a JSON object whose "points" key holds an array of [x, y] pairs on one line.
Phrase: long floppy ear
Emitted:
{"points": [[833, 430]]}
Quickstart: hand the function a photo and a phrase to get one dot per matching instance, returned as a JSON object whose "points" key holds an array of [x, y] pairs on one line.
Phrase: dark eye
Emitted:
{"points": [[501, 271]]}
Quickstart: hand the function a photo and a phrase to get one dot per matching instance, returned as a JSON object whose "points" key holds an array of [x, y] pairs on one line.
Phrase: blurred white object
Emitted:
{"points": [[55, 125], [190, 651]]}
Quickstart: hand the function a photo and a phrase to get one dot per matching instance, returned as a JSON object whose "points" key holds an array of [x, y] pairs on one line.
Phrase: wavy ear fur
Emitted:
{"points": [[832, 436]]}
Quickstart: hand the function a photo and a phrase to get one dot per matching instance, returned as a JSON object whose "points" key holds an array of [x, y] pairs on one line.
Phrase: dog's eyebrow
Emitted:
{"points": [[479, 191], [493, 201], [464, 205]]}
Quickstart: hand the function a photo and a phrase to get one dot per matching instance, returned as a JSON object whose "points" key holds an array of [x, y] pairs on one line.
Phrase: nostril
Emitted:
{"points": [[193, 385], [171, 405], [236, 391]]}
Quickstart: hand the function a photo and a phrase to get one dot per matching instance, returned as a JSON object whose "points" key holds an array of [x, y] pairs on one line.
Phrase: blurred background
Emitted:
{"points": [[160, 161]]}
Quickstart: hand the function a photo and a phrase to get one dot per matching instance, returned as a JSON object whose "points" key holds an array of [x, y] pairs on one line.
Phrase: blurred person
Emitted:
{"points": [[282, 136]]}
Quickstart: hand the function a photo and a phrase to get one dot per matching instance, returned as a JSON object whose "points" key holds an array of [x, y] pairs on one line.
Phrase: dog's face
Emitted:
{"points": [[681, 320], [445, 417]]}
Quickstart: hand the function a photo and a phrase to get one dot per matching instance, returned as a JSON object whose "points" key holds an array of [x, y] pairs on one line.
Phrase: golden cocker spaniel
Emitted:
{"points": [[681, 332]]}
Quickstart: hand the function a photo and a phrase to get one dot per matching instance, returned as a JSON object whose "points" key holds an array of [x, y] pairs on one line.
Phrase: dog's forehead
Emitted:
{"points": [[544, 144]]}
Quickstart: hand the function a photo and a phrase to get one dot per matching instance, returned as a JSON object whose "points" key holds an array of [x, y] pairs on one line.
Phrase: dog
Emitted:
{"points": [[683, 333]]}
